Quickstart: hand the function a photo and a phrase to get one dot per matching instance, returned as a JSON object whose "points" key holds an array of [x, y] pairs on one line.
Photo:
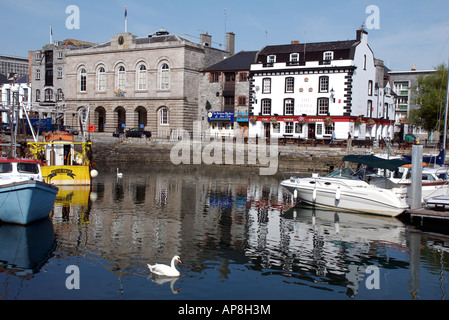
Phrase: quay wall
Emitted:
{"points": [[291, 158]]}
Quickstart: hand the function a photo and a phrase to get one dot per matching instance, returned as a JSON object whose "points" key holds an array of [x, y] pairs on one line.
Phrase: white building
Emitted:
{"points": [[309, 90], [9, 93]]}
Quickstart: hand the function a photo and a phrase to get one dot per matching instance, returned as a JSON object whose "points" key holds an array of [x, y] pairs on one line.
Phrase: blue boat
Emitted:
{"points": [[24, 196]]}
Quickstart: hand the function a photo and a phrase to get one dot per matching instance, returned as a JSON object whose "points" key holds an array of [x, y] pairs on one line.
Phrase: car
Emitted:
{"points": [[411, 138], [135, 133]]}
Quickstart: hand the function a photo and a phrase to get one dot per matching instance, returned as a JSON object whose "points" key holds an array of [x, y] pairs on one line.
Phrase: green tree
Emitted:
{"points": [[430, 96]]}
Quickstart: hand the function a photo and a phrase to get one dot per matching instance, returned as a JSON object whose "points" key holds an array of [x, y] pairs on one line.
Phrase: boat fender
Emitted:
{"points": [[338, 194], [93, 173], [314, 195], [295, 194]]}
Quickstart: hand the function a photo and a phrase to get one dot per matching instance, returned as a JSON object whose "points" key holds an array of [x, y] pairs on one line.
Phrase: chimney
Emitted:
{"points": [[295, 42], [206, 40], [230, 43], [413, 67]]}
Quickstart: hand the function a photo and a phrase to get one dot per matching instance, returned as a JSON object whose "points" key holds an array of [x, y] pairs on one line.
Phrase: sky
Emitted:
{"points": [[402, 33]]}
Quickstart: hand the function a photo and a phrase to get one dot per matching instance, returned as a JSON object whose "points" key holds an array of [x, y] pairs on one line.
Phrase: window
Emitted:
{"points": [[328, 55], [289, 107], [142, 77], [5, 167], [214, 76], [266, 106], [271, 59], [38, 56], [298, 127], [101, 78], [48, 95], [328, 129], [319, 129], [121, 75], [243, 76], [323, 106], [276, 127], [364, 62], [38, 95], [27, 168], [289, 127], [83, 80], [242, 100], [266, 85], [59, 95], [324, 84], [369, 108], [370, 87], [294, 57], [38, 74], [165, 77], [164, 116], [59, 72], [60, 55], [289, 84]]}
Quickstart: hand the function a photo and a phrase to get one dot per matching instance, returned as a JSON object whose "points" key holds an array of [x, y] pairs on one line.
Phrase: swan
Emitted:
{"points": [[164, 270], [119, 174]]}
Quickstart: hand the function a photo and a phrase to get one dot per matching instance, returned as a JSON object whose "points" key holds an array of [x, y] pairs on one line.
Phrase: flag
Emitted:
{"points": [[126, 12]]}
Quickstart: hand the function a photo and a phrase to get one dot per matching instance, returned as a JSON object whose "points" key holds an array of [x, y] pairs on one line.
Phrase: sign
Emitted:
{"points": [[220, 116]]}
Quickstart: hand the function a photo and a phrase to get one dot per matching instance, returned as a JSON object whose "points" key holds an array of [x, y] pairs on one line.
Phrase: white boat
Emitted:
{"points": [[346, 190], [24, 196]]}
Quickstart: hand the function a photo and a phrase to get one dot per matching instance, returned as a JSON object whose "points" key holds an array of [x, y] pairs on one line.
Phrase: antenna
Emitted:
{"points": [[225, 39], [305, 43], [266, 37]]}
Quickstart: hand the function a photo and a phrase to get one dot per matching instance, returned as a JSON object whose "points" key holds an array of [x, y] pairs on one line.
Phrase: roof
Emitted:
{"points": [[240, 61], [309, 47], [4, 79]]}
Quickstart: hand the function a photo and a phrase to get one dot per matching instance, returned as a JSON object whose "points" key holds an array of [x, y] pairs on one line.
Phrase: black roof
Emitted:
{"points": [[238, 62]]}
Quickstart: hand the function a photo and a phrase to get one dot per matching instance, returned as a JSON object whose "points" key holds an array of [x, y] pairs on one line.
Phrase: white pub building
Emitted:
{"points": [[307, 91]]}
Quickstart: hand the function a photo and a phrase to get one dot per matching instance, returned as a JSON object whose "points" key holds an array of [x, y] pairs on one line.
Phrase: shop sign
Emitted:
{"points": [[220, 116]]}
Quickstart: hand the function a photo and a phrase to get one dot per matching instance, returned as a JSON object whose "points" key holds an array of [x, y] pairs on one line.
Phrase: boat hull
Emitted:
{"points": [[26, 201], [331, 194], [67, 175]]}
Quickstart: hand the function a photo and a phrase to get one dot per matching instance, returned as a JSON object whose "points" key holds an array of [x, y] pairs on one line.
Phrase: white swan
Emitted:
{"points": [[119, 174], [164, 270]]}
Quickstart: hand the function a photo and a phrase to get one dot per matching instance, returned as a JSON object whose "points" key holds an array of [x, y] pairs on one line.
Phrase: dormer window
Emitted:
{"points": [[328, 56], [294, 57], [271, 59]]}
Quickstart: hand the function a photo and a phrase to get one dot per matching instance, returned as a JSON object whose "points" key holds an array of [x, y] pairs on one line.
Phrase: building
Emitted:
{"points": [[402, 83], [150, 83], [48, 67], [17, 65], [310, 90], [224, 96], [14, 92]]}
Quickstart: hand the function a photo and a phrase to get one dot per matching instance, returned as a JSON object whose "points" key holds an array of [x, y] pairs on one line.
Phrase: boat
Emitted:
{"points": [[346, 189], [24, 196], [65, 161]]}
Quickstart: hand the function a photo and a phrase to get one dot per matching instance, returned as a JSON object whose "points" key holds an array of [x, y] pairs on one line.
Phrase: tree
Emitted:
{"points": [[430, 94]]}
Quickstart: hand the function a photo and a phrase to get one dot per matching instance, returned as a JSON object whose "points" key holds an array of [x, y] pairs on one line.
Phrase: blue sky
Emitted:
{"points": [[410, 31]]}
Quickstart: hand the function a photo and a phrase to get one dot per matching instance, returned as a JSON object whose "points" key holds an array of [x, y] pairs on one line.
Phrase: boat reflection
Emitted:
{"points": [[25, 249], [72, 201]]}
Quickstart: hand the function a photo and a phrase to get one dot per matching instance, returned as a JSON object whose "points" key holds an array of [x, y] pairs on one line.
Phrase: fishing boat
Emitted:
{"points": [[65, 161], [350, 190], [24, 196]]}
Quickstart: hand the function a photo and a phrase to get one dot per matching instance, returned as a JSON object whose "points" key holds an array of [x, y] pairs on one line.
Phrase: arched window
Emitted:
{"points": [[101, 79], [121, 78], [48, 95], [83, 80], [59, 95], [142, 77], [164, 77], [164, 116], [38, 95]]}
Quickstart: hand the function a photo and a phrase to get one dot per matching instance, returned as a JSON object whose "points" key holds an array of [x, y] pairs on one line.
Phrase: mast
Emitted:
{"points": [[445, 115]]}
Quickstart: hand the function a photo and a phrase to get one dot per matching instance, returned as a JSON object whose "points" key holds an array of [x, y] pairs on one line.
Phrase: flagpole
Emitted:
{"points": [[51, 35], [126, 21]]}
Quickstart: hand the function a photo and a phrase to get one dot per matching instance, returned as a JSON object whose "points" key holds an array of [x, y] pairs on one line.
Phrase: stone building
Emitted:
{"points": [[224, 96], [149, 83], [48, 67]]}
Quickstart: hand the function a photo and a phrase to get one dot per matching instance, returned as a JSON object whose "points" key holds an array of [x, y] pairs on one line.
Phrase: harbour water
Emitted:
{"points": [[239, 236]]}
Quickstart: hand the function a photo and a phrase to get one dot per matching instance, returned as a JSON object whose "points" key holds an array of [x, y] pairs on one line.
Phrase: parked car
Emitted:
{"points": [[411, 138], [135, 132]]}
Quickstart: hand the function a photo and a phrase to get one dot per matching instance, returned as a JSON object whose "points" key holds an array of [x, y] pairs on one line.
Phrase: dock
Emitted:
{"points": [[429, 213]]}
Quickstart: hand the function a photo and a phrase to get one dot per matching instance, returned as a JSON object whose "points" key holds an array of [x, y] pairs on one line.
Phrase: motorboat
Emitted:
{"points": [[24, 196], [346, 189]]}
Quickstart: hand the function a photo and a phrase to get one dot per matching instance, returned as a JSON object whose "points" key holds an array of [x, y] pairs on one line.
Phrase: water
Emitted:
{"points": [[236, 232]]}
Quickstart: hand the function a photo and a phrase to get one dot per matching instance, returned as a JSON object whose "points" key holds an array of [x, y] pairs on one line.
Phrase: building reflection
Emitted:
{"points": [[233, 215]]}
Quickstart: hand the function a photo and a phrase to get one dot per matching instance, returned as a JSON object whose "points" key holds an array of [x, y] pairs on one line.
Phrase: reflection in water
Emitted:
{"points": [[236, 232]]}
